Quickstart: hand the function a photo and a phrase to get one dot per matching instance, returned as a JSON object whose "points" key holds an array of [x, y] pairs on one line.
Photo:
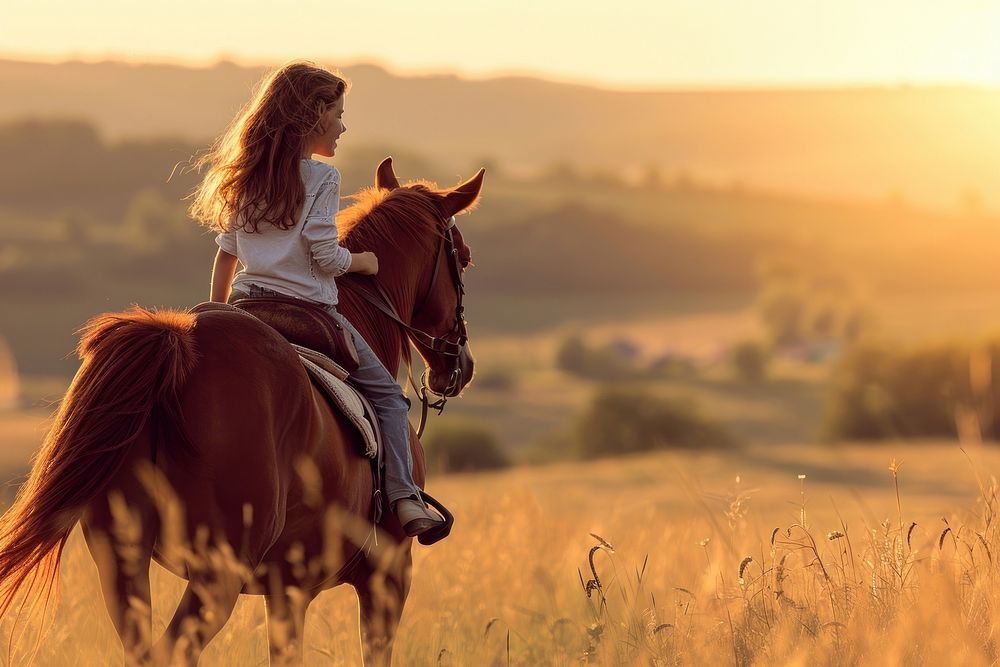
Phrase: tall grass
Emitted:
{"points": [[601, 564], [893, 593]]}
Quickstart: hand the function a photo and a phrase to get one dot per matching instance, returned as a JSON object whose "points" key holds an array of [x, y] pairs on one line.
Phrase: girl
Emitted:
{"points": [[275, 208]]}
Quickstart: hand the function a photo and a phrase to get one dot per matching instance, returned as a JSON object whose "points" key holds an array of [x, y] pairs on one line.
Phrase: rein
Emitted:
{"points": [[376, 295]]}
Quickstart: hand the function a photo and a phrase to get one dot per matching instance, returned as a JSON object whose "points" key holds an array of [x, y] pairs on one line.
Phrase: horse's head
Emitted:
{"points": [[439, 310], [422, 258]]}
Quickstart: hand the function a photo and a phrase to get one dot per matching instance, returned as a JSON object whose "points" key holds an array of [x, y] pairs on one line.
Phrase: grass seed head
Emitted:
{"points": [[743, 566]]}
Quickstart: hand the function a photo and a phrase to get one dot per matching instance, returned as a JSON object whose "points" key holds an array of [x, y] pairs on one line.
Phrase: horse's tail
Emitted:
{"points": [[133, 362]]}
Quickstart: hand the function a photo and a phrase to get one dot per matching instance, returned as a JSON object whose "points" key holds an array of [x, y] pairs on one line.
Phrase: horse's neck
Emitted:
{"points": [[385, 336]]}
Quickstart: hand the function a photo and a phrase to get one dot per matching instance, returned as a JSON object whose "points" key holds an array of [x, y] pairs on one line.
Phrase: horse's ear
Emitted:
{"points": [[463, 196], [385, 177]]}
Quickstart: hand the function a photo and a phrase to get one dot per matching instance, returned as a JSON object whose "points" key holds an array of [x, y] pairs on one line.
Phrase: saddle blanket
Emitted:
{"points": [[355, 407]]}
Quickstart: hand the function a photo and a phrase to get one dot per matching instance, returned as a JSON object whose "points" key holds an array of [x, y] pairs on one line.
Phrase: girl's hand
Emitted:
{"points": [[365, 263]]}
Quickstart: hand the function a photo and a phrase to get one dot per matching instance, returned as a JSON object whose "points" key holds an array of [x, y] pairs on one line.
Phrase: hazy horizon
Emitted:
{"points": [[854, 143], [500, 74], [641, 46]]}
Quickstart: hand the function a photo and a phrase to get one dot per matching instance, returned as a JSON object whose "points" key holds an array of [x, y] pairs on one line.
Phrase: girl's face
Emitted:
{"points": [[331, 126]]}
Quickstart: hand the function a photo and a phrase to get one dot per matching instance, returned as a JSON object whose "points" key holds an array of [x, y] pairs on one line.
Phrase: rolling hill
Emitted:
{"points": [[934, 146]]}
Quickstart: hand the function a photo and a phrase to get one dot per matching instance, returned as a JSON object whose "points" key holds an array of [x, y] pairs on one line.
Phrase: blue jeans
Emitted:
{"points": [[391, 407]]}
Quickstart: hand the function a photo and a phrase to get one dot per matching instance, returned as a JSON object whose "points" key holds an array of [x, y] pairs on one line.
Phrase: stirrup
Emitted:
{"points": [[433, 535]]}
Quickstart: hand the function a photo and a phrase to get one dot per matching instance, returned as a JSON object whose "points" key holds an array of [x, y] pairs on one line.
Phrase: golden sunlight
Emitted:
{"points": [[638, 43], [730, 271]]}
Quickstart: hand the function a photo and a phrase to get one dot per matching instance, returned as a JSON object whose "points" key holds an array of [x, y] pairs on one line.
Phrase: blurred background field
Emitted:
{"points": [[681, 302]]}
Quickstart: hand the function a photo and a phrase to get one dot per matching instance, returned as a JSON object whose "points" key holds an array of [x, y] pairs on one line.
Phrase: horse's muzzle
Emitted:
{"points": [[451, 381]]}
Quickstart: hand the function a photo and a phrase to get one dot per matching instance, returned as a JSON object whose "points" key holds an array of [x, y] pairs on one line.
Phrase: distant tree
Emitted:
{"points": [[571, 356], [881, 390], [464, 447], [623, 420], [858, 321], [148, 221], [496, 380], [750, 359], [823, 320], [783, 312], [808, 302], [670, 365], [48, 163], [600, 362]]}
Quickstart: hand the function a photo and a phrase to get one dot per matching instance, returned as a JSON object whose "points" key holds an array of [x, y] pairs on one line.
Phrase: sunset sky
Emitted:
{"points": [[619, 43]]}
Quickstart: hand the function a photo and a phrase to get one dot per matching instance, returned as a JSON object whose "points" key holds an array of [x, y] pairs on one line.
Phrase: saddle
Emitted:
{"points": [[304, 324]]}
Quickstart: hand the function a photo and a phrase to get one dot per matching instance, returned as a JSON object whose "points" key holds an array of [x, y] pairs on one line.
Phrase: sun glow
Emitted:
{"points": [[639, 44]]}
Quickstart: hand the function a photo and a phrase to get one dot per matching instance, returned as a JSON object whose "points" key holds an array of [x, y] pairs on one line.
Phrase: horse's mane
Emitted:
{"points": [[406, 218], [401, 217]]}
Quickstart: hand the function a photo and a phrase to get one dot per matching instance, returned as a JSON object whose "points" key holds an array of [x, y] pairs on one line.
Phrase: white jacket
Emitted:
{"points": [[303, 260]]}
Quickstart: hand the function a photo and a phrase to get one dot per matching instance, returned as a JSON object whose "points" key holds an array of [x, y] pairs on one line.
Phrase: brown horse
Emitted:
{"points": [[199, 440]]}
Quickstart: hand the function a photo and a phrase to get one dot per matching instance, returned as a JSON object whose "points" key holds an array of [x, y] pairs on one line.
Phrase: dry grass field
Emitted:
{"points": [[510, 585], [781, 551]]}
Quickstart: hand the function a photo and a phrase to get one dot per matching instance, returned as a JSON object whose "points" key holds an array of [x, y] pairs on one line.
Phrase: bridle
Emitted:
{"points": [[451, 345]]}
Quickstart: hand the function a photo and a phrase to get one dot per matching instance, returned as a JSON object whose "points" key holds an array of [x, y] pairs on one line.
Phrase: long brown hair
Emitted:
{"points": [[253, 167]]}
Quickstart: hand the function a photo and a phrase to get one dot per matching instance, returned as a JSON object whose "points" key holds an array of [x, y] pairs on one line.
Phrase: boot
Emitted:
{"points": [[417, 519]]}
